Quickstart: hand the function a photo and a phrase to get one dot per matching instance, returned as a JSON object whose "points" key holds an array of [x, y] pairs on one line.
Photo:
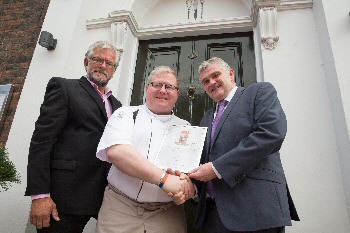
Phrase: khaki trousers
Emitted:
{"points": [[119, 214]]}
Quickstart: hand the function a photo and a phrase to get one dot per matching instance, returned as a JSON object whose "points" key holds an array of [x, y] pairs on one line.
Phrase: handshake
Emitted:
{"points": [[179, 186]]}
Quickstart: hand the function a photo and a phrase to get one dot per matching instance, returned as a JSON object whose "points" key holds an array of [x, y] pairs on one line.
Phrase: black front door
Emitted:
{"points": [[184, 55]]}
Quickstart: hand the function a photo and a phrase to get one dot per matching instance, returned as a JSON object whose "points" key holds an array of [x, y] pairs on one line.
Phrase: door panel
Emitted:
{"points": [[153, 57]]}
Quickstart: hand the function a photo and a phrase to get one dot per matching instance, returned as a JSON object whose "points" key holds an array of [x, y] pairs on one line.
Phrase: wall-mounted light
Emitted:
{"points": [[47, 41]]}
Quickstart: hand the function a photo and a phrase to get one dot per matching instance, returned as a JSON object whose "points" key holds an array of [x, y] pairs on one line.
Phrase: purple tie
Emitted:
{"points": [[221, 107]]}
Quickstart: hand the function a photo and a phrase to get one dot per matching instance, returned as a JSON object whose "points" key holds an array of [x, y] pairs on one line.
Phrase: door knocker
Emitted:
{"points": [[191, 90]]}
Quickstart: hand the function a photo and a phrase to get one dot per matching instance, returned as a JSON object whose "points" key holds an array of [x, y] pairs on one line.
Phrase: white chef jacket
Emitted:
{"points": [[146, 135]]}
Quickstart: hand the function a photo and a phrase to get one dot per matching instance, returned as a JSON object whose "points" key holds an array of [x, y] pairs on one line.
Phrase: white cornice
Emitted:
{"points": [[114, 17], [124, 16], [127, 16], [284, 4], [293, 4], [239, 22], [267, 3], [98, 23]]}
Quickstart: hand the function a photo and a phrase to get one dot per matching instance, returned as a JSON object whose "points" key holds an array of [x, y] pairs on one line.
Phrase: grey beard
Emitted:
{"points": [[98, 82]]}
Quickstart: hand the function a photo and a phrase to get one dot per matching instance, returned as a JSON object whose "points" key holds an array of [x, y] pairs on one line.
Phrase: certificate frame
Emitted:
{"points": [[181, 147]]}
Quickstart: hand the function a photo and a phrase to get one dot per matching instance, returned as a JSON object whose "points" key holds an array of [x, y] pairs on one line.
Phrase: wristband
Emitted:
{"points": [[162, 179]]}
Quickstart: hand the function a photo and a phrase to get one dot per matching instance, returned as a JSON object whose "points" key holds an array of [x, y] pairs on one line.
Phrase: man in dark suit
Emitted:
{"points": [[65, 179], [243, 186]]}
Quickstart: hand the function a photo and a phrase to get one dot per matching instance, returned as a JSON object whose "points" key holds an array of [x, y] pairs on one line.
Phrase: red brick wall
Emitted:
{"points": [[20, 26]]}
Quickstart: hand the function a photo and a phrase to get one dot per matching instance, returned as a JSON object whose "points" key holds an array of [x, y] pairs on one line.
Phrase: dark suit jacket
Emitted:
{"points": [[62, 155], [252, 193]]}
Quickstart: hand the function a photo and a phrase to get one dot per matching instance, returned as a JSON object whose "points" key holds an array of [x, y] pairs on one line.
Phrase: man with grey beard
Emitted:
{"points": [[64, 178]]}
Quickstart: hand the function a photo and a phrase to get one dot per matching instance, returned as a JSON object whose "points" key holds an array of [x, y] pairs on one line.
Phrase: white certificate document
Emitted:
{"points": [[181, 148]]}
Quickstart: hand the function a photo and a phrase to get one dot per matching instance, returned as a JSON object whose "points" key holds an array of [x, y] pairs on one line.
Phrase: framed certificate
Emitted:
{"points": [[181, 147]]}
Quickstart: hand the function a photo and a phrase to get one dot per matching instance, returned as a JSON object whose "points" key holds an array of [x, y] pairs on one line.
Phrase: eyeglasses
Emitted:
{"points": [[100, 61], [159, 86]]}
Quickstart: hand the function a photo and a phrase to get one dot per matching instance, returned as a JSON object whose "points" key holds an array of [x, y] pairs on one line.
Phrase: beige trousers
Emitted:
{"points": [[119, 214]]}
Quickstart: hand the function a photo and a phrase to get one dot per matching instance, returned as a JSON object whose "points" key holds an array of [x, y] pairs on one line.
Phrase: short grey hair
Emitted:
{"points": [[214, 61], [161, 69], [104, 45]]}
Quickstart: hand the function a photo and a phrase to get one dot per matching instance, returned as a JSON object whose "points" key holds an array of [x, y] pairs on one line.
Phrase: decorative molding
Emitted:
{"points": [[114, 17], [118, 35], [294, 4], [194, 4], [254, 13], [127, 17], [281, 5], [267, 10], [258, 4], [98, 23], [268, 27], [124, 16], [239, 22], [267, 3]]}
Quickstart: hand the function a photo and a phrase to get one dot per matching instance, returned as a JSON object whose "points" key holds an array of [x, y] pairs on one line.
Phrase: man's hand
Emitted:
{"points": [[188, 187], [203, 173], [41, 210], [175, 184], [172, 172], [179, 198]]}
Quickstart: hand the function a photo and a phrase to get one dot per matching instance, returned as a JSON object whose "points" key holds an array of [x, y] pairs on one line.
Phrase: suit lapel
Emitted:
{"points": [[93, 93], [114, 102], [227, 111]]}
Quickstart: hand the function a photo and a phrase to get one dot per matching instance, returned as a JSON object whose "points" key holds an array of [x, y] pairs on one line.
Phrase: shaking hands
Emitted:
{"points": [[179, 186]]}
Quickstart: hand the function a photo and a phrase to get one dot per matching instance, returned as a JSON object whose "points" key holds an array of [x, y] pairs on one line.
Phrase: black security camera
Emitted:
{"points": [[47, 41]]}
